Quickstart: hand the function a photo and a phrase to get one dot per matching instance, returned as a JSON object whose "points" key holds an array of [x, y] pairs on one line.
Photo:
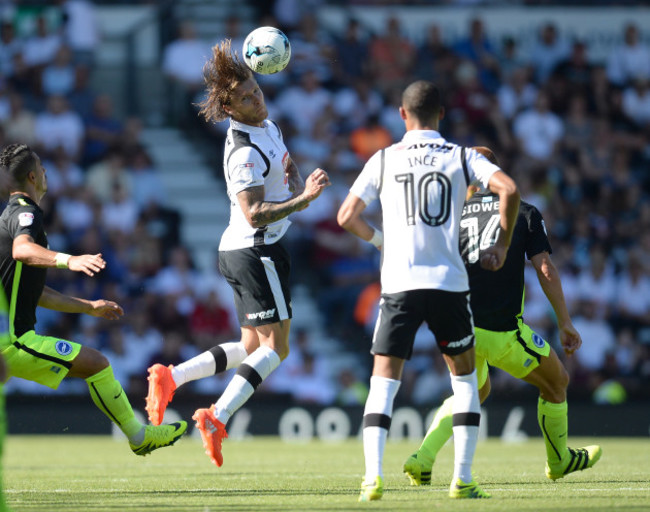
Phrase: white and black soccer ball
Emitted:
{"points": [[266, 50]]}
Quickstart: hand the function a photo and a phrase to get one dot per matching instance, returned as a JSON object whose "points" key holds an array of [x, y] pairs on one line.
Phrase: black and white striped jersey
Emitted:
{"points": [[254, 156], [421, 183]]}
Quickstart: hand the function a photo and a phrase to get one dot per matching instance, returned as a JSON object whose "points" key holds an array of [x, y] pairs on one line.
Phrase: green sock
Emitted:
{"points": [[108, 395], [439, 432], [554, 422], [3, 430]]}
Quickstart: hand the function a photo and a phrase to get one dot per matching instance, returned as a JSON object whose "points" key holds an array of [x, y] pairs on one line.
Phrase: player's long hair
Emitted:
{"points": [[422, 99], [17, 161], [222, 74]]}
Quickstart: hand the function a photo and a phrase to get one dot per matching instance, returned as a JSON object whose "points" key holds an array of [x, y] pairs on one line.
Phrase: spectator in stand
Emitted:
{"points": [[392, 57], [81, 30], [632, 303], [596, 332], [630, 59], [59, 126], [539, 132], [597, 283], [40, 49], [469, 100], [312, 50], [304, 103], [636, 101], [82, 96], [10, 46], [476, 47], [547, 52], [510, 59], [103, 130], [366, 140], [58, 77], [148, 186], [102, 176], [63, 174], [576, 70], [120, 214], [211, 322], [20, 125], [435, 60], [517, 93], [351, 61], [178, 280], [183, 61], [353, 104]]}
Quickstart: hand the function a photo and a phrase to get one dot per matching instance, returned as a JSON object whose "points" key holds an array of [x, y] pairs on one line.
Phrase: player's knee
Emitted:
{"points": [[95, 361]]}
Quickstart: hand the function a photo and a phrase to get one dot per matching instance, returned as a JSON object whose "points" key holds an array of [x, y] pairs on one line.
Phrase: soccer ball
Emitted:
{"points": [[266, 50]]}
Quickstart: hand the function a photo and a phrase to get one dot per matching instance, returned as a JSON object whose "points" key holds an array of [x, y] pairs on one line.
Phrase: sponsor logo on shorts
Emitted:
{"points": [[55, 369], [63, 347], [261, 315], [457, 344], [25, 218], [246, 165], [528, 362], [538, 340]]}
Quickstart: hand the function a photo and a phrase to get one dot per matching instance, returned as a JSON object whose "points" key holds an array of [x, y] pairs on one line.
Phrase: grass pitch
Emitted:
{"points": [[99, 473]]}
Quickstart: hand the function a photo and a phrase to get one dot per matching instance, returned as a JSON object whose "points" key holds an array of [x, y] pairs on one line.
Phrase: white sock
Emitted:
{"points": [[466, 409], [216, 360], [252, 371], [376, 423]]}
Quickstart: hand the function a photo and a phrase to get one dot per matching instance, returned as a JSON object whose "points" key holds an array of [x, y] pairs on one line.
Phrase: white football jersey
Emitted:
{"points": [[421, 183], [254, 156]]}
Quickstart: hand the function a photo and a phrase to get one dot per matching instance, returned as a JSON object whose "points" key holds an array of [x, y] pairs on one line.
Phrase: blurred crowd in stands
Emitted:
{"points": [[573, 132]]}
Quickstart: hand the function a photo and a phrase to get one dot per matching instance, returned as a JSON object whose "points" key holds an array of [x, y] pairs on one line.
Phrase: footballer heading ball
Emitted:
{"points": [[266, 50]]}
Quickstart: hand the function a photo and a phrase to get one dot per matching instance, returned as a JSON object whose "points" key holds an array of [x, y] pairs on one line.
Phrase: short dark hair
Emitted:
{"points": [[422, 99], [18, 160], [222, 74]]}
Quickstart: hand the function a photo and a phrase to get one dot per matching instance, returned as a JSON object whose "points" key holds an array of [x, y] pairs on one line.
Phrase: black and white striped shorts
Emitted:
{"points": [[259, 277]]}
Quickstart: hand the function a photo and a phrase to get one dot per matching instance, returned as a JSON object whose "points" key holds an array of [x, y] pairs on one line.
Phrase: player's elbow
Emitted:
{"points": [[344, 217]]}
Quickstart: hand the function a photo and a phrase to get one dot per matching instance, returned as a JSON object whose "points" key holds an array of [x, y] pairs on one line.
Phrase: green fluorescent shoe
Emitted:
{"points": [[460, 489], [416, 471], [372, 491], [581, 458], [159, 436]]}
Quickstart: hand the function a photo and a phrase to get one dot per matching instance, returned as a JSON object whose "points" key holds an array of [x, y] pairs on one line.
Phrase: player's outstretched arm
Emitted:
{"points": [[25, 250], [52, 299], [349, 218], [549, 279], [259, 212]]}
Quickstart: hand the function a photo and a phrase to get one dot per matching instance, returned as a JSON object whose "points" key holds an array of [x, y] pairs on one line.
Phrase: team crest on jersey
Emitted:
{"points": [[538, 340], [63, 347], [25, 219]]}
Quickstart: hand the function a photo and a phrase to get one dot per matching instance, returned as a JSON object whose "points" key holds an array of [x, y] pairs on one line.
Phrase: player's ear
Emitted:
{"points": [[402, 113], [441, 114]]}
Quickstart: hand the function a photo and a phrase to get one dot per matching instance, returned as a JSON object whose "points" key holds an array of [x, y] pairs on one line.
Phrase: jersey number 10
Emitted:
{"points": [[426, 181]]}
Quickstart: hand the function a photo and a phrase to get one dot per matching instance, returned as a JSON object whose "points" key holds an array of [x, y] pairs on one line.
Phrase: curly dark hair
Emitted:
{"points": [[18, 160], [222, 74]]}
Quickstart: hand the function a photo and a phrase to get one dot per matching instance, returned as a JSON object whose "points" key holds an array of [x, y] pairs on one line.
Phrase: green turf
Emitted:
{"points": [[96, 473]]}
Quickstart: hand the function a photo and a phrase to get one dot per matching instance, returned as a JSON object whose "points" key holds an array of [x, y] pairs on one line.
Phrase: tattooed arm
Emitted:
{"points": [[296, 183], [259, 212]]}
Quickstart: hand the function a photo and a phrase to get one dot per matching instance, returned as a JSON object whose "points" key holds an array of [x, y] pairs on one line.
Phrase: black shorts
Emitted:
{"points": [[259, 277], [400, 315]]}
